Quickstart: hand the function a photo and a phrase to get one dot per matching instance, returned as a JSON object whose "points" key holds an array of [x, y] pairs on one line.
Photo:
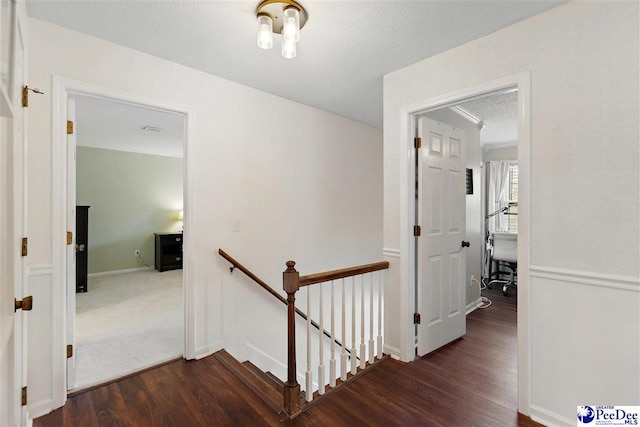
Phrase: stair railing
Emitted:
{"points": [[269, 289], [292, 282]]}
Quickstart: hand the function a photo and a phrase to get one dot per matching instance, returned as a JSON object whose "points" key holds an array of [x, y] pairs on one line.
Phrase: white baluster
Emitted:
{"points": [[321, 383], [309, 374], [363, 348], [372, 350], [343, 355], [354, 366], [380, 289], [332, 361]]}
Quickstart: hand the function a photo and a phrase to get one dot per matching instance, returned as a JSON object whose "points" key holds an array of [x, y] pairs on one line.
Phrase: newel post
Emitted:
{"points": [[291, 282]]}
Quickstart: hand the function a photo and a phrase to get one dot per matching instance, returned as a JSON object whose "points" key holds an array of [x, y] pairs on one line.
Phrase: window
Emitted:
{"points": [[513, 198]]}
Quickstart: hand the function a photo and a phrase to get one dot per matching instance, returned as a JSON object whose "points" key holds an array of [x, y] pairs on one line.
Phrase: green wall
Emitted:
{"points": [[131, 196]]}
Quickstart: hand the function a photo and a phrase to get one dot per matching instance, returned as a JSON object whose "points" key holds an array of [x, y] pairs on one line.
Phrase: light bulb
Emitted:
{"points": [[291, 24], [265, 32], [288, 47]]}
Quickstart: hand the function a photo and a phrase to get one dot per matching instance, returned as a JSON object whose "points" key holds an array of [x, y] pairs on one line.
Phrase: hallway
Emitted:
{"points": [[471, 382]]}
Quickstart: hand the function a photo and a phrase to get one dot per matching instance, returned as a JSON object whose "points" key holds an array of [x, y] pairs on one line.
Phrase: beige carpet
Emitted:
{"points": [[126, 323]]}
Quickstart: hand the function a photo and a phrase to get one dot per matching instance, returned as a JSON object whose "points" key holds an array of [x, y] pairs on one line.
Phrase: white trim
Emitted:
{"points": [[40, 408], [62, 87], [394, 352], [626, 283], [486, 146], [548, 418], [467, 116], [407, 118], [247, 351], [391, 252], [39, 270], [473, 306], [115, 272], [207, 350]]}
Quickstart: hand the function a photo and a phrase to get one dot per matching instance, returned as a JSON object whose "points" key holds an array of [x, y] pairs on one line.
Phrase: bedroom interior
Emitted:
{"points": [[129, 179]]}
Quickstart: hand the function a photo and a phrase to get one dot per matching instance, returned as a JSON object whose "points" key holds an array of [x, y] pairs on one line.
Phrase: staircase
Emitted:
{"points": [[354, 310], [265, 385], [270, 388]]}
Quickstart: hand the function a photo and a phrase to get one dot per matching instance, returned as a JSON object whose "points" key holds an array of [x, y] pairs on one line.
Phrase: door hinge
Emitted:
{"points": [[417, 230], [25, 304], [25, 94], [69, 127], [416, 318], [69, 237], [24, 396], [25, 247], [417, 142], [69, 351]]}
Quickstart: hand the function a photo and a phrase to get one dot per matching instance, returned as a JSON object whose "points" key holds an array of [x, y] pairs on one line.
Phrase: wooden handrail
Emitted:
{"points": [[327, 276], [255, 278], [269, 289]]}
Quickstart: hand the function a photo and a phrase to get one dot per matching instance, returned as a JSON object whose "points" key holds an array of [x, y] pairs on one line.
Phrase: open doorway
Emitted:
{"points": [[125, 282], [465, 248], [455, 143]]}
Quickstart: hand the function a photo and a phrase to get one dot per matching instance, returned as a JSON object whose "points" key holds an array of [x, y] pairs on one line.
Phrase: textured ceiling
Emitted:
{"points": [[500, 116], [116, 126], [345, 49]]}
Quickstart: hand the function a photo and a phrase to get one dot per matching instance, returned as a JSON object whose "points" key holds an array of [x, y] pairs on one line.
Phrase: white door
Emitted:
{"points": [[13, 322], [441, 214], [71, 248]]}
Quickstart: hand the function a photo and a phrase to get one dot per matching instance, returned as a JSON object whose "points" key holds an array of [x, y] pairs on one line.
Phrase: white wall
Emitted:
{"points": [[303, 184], [473, 201], [583, 60]]}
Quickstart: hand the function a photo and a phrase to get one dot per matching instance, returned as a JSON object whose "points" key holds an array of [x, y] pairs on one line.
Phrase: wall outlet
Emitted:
{"points": [[137, 253]]}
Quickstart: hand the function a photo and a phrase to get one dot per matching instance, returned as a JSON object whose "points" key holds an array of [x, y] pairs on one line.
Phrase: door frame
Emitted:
{"points": [[408, 117], [62, 87]]}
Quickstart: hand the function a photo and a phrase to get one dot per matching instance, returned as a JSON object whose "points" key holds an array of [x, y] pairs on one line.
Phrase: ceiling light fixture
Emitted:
{"points": [[285, 17]]}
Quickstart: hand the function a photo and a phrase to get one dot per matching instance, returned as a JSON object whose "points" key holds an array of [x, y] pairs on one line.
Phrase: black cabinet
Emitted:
{"points": [[82, 248], [168, 251]]}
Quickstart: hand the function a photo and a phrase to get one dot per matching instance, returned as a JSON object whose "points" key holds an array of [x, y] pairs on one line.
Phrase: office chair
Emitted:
{"points": [[505, 253]]}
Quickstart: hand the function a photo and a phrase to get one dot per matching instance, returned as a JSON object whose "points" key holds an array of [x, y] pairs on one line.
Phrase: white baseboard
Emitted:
{"points": [[40, 408], [391, 351], [267, 363], [548, 418], [114, 272], [471, 307], [208, 350]]}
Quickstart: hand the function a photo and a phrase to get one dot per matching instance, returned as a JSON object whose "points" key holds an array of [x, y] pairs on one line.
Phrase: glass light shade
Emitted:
{"points": [[291, 24], [265, 32], [180, 215], [288, 47]]}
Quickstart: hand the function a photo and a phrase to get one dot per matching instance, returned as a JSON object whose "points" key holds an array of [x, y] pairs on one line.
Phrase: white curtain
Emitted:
{"points": [[498, 195]]}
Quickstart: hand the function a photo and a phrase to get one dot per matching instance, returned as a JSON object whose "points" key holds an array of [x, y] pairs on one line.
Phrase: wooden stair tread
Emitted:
{"points": [[273, 381], [256, 383]]}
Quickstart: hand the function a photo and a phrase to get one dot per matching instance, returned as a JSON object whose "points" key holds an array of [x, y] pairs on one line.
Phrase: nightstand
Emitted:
{"points": [[168, 251]]}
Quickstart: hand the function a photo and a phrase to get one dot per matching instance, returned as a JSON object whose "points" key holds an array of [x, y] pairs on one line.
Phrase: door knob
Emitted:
{"points": [[26, 304], [465, 244]]}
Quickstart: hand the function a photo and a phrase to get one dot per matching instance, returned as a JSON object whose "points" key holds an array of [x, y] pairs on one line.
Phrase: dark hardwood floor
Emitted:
{"points": [[471, 382]]}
